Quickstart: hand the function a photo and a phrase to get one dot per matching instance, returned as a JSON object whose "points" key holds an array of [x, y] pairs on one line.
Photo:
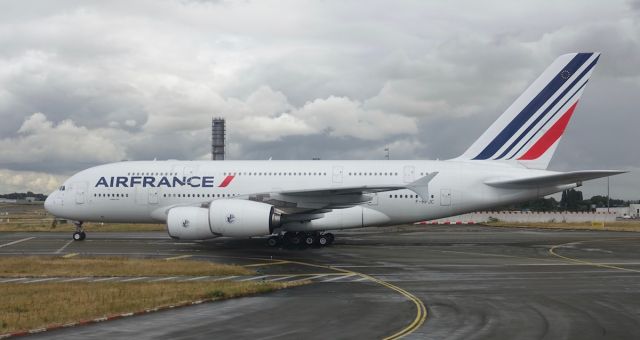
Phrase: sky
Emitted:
{"points": [[84, 83]]}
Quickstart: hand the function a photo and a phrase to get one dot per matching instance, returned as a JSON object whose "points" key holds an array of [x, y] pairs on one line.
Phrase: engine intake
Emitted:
{"points": [[227, 217]]}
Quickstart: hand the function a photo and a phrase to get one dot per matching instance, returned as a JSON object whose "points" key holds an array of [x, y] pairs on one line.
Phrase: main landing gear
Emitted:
{"points": [[301, 238], [79, 234]]}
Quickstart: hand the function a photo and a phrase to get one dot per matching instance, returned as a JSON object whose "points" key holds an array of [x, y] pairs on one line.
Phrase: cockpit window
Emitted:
{"points": [[61, 188]]}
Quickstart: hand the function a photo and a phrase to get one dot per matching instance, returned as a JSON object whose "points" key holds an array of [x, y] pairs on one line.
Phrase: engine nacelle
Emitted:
{"points": [[232, 217], [189, 223]]}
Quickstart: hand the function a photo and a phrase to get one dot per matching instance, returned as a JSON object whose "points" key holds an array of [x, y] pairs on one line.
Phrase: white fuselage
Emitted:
{"points": [[143, 192]]}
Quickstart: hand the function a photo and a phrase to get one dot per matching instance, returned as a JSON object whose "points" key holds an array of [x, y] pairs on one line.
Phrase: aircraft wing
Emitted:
{"points": [[552, 180], [319, 200]]}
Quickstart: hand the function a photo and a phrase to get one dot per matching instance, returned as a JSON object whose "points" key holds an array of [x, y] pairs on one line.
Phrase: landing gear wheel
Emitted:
{"points": [[323, 240], [293, 238], [272, 241], [79, 234], [330, 238], [309, 240]]}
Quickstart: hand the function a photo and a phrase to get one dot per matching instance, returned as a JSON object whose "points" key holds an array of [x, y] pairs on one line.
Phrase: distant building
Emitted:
{"points": [[632, 210]]}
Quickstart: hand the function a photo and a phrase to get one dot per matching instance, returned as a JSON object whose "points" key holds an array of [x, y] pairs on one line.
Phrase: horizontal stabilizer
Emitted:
{"points": [[552, 180]]}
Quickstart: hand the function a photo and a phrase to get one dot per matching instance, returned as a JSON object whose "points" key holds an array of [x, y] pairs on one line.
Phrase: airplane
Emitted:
{"points": [[301, 202]]}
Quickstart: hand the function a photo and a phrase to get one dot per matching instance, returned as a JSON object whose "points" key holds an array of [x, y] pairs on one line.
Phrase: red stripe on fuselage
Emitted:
{"points": [[226, 181], [550, 137]]}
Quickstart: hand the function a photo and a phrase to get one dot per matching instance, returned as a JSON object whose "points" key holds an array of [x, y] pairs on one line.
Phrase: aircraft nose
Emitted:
{"points": [[48, 203]]}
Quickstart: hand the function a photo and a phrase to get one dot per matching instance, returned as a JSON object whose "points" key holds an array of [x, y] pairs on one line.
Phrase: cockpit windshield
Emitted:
{"points": [[61, 188]]}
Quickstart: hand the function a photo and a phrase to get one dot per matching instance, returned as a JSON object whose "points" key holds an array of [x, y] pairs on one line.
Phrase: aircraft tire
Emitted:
{"points": [[77, 236], [330, 238], [309, 240], [323, 240], [273, 241], [293, 238]]}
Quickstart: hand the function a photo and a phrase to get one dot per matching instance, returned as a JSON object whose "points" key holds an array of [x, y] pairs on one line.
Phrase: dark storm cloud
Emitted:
{"points": [[83, 83]]}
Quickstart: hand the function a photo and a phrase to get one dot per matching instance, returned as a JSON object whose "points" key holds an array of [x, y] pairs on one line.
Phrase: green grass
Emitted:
{"points": [[609, 226], [29, 306], [43, 266]]}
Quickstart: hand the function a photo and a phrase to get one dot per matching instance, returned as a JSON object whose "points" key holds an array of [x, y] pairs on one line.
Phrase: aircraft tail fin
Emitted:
{"points": [[529, 131]]}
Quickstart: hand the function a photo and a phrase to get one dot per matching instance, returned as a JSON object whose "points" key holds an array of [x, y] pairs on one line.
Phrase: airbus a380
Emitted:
{"points": [[302, 201]]}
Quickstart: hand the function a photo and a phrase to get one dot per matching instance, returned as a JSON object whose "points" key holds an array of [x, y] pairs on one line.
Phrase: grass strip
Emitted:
{"points": [[30, 306], [608, 226], [44, 266]]}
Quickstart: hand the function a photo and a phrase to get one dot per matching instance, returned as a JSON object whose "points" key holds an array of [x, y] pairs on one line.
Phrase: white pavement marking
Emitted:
{"points": [[65, 245], [225, 278], [41, 280], [314, 277], [13, 280], [135, 279], [164, 279], [105, 279], [177, 257], [255, 278], [283, 278], [195, 278], [15, 242], [75, 279], [361, 279], [338, 278]]}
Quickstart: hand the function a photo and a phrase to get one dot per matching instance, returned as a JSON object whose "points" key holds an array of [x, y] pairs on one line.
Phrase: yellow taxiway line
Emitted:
{"points": [[552, 251], [421, 309]]}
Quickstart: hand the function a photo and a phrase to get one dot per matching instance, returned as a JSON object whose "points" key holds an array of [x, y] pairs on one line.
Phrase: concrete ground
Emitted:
{"points": [[476, 283]]}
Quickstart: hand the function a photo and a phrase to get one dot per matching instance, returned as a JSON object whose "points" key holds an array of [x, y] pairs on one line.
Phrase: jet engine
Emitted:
{"points": [[227, 217]]}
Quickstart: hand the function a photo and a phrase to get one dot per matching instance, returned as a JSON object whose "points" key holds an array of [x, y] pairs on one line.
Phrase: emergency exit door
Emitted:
{"points": [[445, 197]]}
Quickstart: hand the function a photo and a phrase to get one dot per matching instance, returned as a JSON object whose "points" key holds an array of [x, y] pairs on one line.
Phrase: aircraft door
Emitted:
{"points": [[445, 197], [79, 189], [189, 171], [337, 173], [409, 173], [153, 196]]}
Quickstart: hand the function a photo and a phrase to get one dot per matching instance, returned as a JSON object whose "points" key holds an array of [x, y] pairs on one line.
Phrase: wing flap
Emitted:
{"points": [[552, 180]]}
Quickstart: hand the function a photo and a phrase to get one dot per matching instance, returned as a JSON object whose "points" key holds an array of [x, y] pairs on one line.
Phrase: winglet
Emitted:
{"points": [[421, 186]]}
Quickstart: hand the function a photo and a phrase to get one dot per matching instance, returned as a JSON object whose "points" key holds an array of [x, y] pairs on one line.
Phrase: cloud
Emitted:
{"points": [[51, 145], [22, 181]]}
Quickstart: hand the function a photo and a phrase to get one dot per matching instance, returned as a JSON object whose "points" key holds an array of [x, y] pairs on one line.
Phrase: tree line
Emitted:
{"points": [[571, 200], [24, 195]]}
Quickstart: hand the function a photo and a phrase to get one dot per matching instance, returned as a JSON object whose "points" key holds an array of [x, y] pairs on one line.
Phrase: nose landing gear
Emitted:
{"points": [[301, 238], [79, 234]]}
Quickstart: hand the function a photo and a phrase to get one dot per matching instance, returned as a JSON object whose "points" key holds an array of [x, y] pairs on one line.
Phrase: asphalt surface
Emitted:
{"points": [[476, 283]]}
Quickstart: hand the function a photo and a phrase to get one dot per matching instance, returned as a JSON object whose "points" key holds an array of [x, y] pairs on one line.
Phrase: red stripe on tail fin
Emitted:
{"points": [[550, 137]]}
